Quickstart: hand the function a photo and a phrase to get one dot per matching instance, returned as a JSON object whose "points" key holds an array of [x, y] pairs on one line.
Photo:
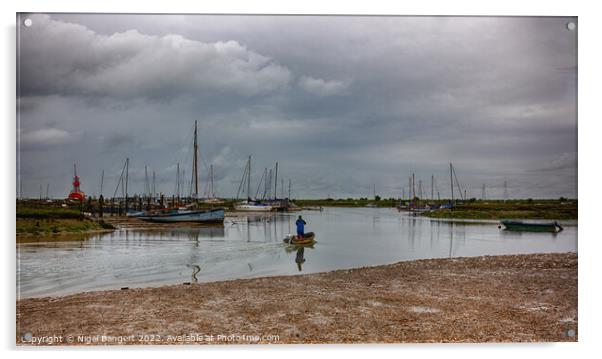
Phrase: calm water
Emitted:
{"points": [[252, 246]]}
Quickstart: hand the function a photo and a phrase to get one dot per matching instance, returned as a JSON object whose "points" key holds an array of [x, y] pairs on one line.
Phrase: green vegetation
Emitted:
{"points": [[470, 209], [55, 226], [348, 202], [47, 220], [47, 212], [512, 209]]}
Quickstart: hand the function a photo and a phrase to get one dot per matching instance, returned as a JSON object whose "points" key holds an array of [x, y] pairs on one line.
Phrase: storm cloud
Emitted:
{"points": [[342, 103]]}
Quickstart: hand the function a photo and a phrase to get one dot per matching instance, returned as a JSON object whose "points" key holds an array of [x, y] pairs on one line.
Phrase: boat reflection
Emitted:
{"points": [[260, 228], [299, 253], [208, 232], [299, 258]]}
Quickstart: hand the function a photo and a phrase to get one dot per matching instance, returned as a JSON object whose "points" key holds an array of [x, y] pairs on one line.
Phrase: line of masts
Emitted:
{"points": [[455, 188], [266, 179]]}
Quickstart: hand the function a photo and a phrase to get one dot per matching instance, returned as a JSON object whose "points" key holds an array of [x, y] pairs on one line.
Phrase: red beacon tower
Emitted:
{"points": [[76, 193]]}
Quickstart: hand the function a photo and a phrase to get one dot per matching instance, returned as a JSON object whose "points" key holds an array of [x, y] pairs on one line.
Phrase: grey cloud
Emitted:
{"points": [[46, 137], [322, 87], [68, 58], [353, 101]]}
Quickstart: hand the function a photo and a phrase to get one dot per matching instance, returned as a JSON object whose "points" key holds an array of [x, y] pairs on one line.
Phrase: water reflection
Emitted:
{"points": [[299, 259], [260, 228], [299, 254], [250, 246], [195, 270]]}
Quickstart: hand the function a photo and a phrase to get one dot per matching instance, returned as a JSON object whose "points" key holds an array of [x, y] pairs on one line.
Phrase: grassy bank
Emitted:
{"points": [[347, 202], [470, 209], [516, 298], [45, 221], [515, 209]]}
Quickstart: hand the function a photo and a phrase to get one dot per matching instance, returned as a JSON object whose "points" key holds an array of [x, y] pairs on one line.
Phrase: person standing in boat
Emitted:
{"points": [[300, 227]]}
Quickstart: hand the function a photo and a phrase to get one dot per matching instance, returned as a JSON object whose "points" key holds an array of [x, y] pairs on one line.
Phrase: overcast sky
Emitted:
{"points": [[342, 103]]}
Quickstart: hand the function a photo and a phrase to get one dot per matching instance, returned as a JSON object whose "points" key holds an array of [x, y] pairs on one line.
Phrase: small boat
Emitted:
{"points": [[135, 214], [446, 206], [401, 207], [189, 213], [253, 207], [213, 201], [532, 227], [307, 239], [214, 215]]}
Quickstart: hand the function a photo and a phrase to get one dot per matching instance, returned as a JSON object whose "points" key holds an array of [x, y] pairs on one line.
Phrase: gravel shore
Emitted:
{"points": [[516, 298]]}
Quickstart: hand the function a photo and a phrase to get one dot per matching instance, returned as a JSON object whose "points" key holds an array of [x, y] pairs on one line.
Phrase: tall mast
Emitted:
{"points": [[212, 190], [153, 184], [413, 186], [195, 166], [451, 181], [102, 179], [183, 191], [127, 170], [432, 187], [249, 178], [270, 184], [178, 180], [265, 184], [289, 188], [276, 182], [459, 187], [146, 185]]}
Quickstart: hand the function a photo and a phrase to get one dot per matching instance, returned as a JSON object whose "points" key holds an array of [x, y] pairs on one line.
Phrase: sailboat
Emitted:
{"points": [[210, 197], [250, 205], [212, 215], [189, 214]]}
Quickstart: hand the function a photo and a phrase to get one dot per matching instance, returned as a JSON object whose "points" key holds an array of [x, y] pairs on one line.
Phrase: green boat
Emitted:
{"points": [[532, 227]]}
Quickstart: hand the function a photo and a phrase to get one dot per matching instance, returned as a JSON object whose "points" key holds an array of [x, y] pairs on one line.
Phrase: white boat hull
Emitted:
{"points": [[253, 208], [135, 214], [207, 216]]}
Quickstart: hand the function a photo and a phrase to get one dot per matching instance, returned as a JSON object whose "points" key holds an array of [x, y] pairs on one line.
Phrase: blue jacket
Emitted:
{"points": [[300, 225]]}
